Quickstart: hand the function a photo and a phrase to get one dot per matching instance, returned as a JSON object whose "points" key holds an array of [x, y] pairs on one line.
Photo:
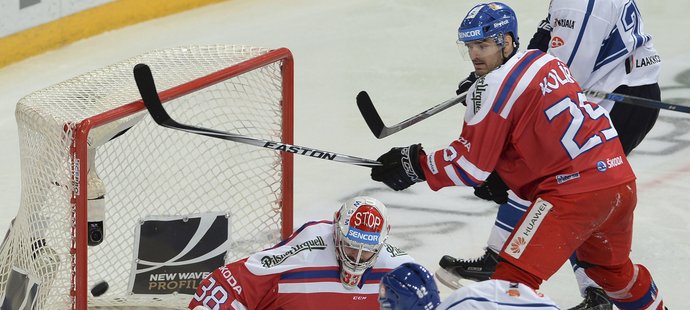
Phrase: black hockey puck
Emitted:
{"points": [[99, 289]]}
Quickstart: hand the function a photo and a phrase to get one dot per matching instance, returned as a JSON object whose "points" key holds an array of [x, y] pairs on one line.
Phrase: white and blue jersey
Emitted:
{"points": [[496, 294], [603, 43]]}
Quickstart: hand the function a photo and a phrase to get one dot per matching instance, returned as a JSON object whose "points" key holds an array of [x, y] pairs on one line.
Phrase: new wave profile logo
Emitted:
{"points": [[175, 254]]}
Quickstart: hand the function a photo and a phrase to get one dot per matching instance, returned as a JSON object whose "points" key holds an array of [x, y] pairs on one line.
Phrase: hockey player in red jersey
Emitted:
{"points": [[337, 263], [528, 120], [605, 45]]}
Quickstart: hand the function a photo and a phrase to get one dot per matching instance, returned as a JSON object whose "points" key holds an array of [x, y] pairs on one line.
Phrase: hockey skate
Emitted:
{"points": [[595, 299], [453, 270]]}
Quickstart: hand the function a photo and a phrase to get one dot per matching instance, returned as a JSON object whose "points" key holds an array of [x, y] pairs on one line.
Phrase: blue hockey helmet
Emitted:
{"points": [[489, 20], [409, 287]]}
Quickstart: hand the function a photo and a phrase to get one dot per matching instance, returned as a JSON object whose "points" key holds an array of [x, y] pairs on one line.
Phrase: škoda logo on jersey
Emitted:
{"points": [[602, 166], [366, 224]]}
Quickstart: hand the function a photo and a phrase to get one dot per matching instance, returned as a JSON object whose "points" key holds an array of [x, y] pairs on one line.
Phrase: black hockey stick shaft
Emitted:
{"points": [[644, 102], [380, 130], [149, 94]]}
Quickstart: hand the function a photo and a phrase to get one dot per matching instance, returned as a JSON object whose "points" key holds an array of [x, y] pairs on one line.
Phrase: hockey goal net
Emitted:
{"points": [[173, 205]]}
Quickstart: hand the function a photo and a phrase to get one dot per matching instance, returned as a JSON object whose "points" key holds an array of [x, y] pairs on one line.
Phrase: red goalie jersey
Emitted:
{"points": [[529, 121], [301, 272]]}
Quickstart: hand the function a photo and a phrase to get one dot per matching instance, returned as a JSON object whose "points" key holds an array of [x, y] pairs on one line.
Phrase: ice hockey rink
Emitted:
{"points": [[403, 53]]}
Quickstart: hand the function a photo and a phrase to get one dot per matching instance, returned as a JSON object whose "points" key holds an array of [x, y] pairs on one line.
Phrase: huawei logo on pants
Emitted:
{"points": [[517, 244]]}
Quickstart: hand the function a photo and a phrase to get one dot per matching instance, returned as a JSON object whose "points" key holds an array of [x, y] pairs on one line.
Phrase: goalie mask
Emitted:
{"points": [[361, 228]]}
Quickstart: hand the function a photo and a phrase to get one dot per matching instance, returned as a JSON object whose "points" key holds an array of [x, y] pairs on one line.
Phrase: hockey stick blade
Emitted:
{"points": [[380, 130], [147, 88], [370, 115], [149, 94], [643, 102]]}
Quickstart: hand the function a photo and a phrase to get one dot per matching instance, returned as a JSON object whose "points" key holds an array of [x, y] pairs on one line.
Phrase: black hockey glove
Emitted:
{"points": [[540, 40], [493, 189], [400, 168], [465, 84]]}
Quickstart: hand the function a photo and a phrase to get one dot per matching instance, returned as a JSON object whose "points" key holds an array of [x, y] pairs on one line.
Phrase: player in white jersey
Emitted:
{"points": [[412, 287], [336, 263], [604, 44], [528, 120]]}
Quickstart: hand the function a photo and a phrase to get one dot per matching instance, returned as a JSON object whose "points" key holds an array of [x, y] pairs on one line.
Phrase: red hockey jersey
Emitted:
{"points": [[529, 121], [299, 273]]}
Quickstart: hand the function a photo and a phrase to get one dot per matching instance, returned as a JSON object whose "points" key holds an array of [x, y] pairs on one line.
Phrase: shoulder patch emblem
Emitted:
{"points": [[556, 42], [394, 251]]}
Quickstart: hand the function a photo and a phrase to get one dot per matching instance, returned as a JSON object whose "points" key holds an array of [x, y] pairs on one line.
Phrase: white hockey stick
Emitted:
{"points": [[149, 94]]}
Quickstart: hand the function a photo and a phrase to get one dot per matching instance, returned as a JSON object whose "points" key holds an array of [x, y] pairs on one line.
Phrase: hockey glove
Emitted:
{"points": [[540, 40], [400, 167], [493, 189], [465, 84]]}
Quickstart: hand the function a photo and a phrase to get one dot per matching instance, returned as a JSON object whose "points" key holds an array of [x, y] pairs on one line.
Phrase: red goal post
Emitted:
{"points": [[175, 204]]}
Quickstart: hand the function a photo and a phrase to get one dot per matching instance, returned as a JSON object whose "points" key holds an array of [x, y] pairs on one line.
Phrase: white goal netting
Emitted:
{"points": [[175, 203]]}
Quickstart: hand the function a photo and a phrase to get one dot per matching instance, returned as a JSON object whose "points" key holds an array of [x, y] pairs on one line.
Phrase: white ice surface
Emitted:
{"points": [[403, 52]]}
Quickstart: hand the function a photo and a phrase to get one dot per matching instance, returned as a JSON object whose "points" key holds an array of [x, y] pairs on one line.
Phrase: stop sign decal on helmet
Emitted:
{"points": [[366, 224]]}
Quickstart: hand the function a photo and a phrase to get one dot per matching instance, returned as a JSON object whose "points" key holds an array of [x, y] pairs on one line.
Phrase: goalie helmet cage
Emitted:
{"points": [[93, 130]]}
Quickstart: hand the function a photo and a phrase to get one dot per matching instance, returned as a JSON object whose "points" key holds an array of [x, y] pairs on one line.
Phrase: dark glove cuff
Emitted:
{"points": [[410, 162], [542, 37], [493, 189], [465, 84], [495, 182]]}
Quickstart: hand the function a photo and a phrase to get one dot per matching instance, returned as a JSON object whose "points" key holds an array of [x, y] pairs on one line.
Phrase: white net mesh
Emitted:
{"points": [[146, 171]]}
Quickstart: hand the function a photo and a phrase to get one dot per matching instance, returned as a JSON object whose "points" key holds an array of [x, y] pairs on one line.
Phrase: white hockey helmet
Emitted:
{"points": [[361, 229]]}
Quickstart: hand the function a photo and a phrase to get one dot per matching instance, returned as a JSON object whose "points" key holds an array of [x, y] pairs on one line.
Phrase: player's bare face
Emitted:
{"points": [[486, 55]]}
